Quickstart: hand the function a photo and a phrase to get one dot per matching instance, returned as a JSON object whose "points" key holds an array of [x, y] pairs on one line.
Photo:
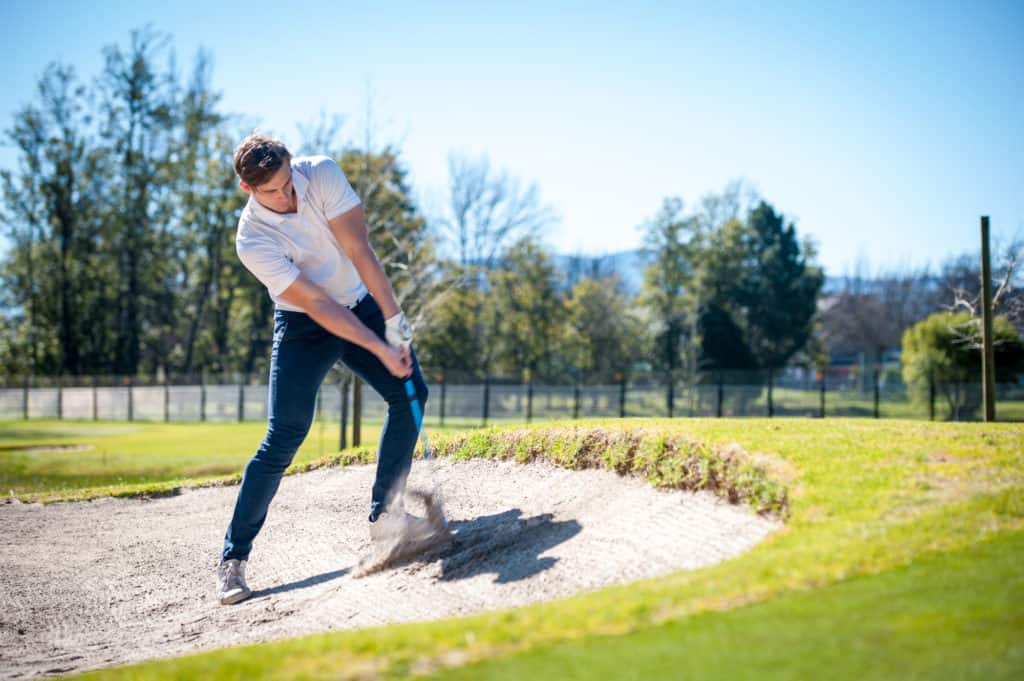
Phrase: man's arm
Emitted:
{"points": [[340, 321], [350, 232]]}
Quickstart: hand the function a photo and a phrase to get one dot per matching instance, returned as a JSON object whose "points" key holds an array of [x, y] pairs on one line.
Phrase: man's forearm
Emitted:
{"points": [[343, 323], [372, 274]]}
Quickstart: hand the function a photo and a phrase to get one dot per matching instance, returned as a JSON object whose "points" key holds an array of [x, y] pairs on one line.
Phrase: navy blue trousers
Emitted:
{"points": [[303, 352]]}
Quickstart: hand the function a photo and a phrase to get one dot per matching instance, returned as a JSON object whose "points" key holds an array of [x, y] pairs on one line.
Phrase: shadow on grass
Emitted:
{"points": [[505, 544]]}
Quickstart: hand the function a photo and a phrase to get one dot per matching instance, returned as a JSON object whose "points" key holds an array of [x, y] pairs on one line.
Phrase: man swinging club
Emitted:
{"points": [[303, 235]]}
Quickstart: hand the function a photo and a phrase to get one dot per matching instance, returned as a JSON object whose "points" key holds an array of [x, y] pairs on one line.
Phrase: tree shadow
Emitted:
{"points": [[505, 544], [302, 583]]}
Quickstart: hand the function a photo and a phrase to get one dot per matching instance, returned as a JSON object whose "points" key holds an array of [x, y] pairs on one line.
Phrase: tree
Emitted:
{"points": [[935, 356], [718, 210], [725, 268], [869, 314], [449, 340], [530, 311], [722, 345], [398, 231], [779, 290], [672, 242], [602, 335], [52, 213], [208, 204], [487, 211], [960, 281], [138, 104]]}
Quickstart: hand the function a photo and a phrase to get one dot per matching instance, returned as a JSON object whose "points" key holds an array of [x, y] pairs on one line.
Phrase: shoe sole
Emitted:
{"points": [[231, 599]]}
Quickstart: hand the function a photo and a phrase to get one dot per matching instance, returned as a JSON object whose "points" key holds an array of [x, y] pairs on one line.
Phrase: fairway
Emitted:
{"points": [[899, 557], [64, 460], [953, 615]]}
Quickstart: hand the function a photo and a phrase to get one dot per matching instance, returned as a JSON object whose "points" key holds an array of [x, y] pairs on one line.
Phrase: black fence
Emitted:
{"points": [[793, 392]]}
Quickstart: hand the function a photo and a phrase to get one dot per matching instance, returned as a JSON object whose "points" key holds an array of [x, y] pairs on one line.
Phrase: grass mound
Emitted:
{"points": [[665, 457]]}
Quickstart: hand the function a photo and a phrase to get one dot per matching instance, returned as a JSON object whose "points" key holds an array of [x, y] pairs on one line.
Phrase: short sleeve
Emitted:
{"points": [[338, 195], [268, 263]]}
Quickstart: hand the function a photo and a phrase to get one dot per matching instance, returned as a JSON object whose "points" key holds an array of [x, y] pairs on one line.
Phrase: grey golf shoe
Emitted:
{"points": [[231, 586]]}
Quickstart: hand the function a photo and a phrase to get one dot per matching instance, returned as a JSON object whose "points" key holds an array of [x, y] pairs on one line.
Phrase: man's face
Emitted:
{"points": [[277, 193]]}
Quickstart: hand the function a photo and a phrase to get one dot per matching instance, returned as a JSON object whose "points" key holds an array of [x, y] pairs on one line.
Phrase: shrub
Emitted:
{"points": [[943, 350]]}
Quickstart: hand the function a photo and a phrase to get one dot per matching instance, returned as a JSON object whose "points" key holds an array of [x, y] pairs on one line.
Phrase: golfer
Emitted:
{"points": [[303, 235]]}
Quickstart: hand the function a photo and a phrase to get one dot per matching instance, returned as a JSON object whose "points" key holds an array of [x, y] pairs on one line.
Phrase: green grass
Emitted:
{"points": [[899, 559], [951, 615], [138, 458]]}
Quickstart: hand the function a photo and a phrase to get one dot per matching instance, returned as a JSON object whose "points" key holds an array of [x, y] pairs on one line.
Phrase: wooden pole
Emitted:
{"points": [[444, 385], [877, 410], [821, 394], [343, 440], [988, 365], [720, 396], [487, 397], [357, 411]]}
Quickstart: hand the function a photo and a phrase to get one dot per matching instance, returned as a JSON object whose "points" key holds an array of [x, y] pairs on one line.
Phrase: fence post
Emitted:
{"points": [[622, 395], [694, 395], [529, 398], [670, 394], [877, 411], [167, 399], [357, 411], [131, 399], [95, 399], [343, 441], [931, 394], [444, 384], [241, 401], [60, 397], [988, 366], [320, 403], [487, 397], [576, 401], [202, 395], [24, 399], [720, 397], [771, 404], [821, 390]]}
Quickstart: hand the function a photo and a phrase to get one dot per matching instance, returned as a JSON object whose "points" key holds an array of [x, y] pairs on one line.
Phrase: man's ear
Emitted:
{"points": [[245, 188]]}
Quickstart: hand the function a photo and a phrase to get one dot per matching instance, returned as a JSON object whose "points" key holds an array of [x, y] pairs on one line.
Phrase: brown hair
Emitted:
{"points": [[258, 157]]}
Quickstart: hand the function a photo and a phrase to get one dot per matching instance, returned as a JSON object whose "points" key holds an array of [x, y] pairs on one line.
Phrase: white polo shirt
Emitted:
{"points": [[276, 247]]}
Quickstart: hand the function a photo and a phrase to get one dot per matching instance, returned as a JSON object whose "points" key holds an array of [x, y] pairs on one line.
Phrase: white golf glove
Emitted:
{"points": [[398, 333]]}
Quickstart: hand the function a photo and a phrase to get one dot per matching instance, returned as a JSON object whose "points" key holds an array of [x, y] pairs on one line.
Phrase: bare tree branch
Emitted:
{"points": [[963, 281], [488, 210]]}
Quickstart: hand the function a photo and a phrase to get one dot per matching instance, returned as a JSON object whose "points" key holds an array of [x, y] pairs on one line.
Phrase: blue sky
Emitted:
{"points": [[884, 130]]}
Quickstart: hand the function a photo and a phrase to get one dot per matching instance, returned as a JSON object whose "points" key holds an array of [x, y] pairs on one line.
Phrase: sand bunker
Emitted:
{"points": [[93, 584]]}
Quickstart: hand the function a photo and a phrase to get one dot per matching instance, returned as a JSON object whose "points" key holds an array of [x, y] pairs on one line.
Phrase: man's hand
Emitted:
{"points": [[340, 321], [398, 332], [396, 360]]}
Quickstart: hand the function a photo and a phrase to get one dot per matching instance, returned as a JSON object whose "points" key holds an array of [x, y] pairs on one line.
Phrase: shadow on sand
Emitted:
{"points": [[505, 544], [302, 583]]}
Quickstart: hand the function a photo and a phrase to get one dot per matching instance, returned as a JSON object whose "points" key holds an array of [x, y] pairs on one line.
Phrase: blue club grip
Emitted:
{"points": [[414, 404]]}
